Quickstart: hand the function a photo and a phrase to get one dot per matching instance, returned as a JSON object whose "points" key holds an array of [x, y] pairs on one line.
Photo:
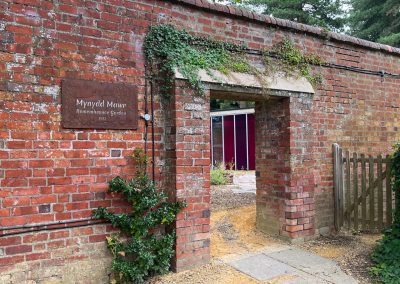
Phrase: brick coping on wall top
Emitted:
{"points": [[243, 13]]}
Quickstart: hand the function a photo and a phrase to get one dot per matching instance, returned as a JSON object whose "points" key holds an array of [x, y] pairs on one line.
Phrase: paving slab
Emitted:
{"points": [[304, 280], [313, 264], [291, 266], [244, 183], [300, 259], [261, 267]]}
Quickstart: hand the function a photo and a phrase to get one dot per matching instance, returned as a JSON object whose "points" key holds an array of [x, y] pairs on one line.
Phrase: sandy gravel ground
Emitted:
{"points": [[222, 198], [351, 252]]}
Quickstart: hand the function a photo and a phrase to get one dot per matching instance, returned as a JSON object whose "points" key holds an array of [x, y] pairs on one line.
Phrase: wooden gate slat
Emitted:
{"points": [[363, 193], [355, 185], [341, 189], [374, 185], [337, 183], [389, 201], [371, 194], [348, 189], [380, 194]]}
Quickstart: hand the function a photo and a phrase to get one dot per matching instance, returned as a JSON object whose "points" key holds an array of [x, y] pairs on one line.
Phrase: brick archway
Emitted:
{"points": [[284, 165]]}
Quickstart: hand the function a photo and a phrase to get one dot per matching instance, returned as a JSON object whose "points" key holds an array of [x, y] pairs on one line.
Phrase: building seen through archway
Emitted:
{"points": [[232, 134]]}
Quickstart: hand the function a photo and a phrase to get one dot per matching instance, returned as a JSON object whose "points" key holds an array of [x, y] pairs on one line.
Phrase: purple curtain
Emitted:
{"points": [[229, 138], [251, 141], [241, 142]]}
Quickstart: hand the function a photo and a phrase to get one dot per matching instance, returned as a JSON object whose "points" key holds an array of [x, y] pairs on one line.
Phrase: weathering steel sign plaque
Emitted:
{"points": [[97, 105]]}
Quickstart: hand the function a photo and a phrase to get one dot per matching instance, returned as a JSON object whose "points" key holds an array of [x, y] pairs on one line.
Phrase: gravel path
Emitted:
{"points": [[222, 198]]}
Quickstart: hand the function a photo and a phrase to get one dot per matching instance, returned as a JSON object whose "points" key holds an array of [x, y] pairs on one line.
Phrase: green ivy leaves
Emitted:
{"points": [[292, 62], [143, 249], [168, 49]]}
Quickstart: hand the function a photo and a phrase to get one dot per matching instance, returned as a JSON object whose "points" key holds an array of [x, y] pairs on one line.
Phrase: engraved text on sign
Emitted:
{"points": [[97, 105]]}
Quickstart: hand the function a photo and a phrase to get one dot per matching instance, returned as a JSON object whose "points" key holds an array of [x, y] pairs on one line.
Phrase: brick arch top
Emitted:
{"points": [[286, 24]]}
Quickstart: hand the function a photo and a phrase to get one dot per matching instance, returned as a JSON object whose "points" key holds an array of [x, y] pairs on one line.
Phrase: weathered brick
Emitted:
{"points": [[18, 249]]}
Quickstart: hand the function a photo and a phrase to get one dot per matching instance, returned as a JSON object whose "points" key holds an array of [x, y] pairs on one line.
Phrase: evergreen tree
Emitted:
{"points": [[323, 13], [376, 20]]}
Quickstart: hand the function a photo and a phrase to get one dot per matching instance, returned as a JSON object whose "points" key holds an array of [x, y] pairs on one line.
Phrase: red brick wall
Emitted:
{"points": [[192, 175], [272, 163], [285, 162], [50, 174], [74, 255]]}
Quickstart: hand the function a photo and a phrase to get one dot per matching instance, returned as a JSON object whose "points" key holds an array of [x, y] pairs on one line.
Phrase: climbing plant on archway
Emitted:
{"points": [[168, 49]]}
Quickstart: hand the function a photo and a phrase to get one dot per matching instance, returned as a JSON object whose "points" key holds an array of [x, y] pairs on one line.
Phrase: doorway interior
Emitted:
{"points": [[233, 203]]}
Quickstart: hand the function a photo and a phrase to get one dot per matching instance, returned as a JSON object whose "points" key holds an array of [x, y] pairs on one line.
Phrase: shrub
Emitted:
{"points": [[219, 176], [386, 255], [143, 248]]}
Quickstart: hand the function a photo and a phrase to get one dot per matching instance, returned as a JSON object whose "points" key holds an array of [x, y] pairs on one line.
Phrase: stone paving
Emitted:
{"points": [[289, 265], [244, 182]]}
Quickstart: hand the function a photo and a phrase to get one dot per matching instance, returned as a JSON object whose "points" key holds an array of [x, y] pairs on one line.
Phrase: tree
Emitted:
{"points": [[217, 104], [324, 13], [376, 20]]}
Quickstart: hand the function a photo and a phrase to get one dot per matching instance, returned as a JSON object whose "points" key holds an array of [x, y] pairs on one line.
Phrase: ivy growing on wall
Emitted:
{"points": [[143, 248], [292, 62], [168, 49]]}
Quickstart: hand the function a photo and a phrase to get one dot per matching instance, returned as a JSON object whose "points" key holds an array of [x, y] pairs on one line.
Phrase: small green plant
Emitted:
{"points": [[292, 62], [386, 255], [143, 248], [219, 176]]}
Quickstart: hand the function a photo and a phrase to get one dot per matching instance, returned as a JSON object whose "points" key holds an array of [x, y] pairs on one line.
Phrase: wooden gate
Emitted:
{"points": [[364, 199]]}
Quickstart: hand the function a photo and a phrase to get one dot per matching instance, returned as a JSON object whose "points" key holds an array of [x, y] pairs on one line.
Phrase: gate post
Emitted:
{"points": [[188, 140], [338, 185], [285, 167]]}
